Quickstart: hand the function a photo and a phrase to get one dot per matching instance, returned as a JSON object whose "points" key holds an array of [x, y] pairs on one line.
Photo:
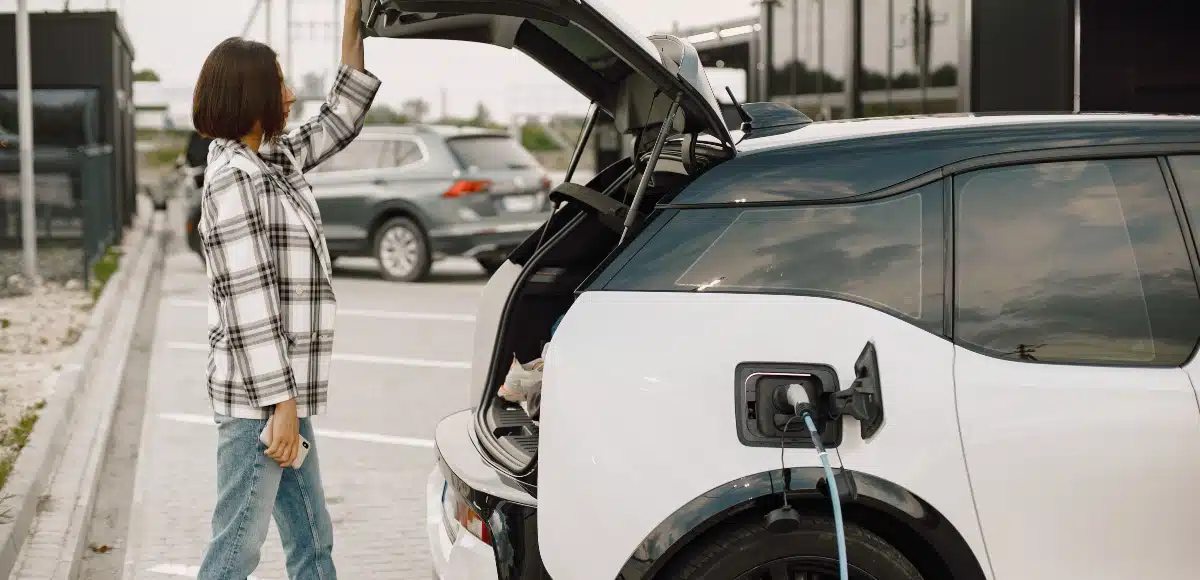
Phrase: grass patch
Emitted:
{"points": [[15, 439], [103, 270]]}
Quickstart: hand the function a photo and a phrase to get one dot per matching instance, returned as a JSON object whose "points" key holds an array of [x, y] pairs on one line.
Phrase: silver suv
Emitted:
{"points": [[409, 195]]}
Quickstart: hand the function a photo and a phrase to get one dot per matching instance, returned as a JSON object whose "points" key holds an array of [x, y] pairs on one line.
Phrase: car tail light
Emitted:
{"points": [[547, 184], [465, 518], [472, 523], [467, 187]]}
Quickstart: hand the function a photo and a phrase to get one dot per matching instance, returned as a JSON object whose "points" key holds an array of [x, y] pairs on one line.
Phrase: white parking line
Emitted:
{"points": [[383, 314], [183, 571], [330, 433], [358, 358]]}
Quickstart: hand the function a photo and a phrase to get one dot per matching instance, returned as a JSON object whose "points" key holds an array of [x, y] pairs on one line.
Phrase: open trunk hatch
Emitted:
{"points": [[649, 86], [631, 77]]}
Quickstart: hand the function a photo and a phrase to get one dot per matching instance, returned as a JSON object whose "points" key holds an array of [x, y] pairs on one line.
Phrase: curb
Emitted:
{"points": [[104, 395], [32, 471]]}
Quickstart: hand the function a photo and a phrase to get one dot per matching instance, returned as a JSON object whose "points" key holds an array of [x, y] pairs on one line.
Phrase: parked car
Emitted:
{"points": [[995, 318], [410, 195], [195, 159]]}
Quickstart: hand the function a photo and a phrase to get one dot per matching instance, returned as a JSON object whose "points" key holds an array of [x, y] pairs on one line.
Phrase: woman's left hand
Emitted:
{"points": [[285, 434]]}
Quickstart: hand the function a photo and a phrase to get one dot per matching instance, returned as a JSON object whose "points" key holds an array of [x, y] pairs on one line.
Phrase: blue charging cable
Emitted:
{"points": [[797, 397]]}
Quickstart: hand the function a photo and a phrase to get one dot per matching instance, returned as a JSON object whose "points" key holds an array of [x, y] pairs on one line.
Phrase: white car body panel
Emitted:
{"points": [[661, 366], [487, 324], [1082, 471]]}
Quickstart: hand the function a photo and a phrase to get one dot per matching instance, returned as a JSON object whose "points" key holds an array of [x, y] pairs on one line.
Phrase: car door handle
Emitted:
{"points": [[379, 182]]}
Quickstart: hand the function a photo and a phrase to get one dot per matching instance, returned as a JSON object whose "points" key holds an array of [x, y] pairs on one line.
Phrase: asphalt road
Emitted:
{"points": [[400, 364]]}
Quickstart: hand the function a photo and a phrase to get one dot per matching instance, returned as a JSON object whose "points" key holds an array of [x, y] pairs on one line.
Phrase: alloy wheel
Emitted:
{"points": [[399, 251]]}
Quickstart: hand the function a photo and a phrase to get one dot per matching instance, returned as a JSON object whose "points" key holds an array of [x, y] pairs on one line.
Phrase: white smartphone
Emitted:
{"points": [[265, 437]]}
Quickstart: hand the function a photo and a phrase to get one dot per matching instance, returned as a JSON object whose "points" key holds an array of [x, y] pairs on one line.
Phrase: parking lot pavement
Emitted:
{"points": [[400, 364]]}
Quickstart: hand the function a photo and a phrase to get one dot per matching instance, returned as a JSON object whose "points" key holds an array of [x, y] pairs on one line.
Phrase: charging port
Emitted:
{"points": [[763, 410]]}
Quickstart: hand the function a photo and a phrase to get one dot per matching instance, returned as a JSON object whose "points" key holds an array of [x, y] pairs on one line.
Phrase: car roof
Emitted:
{"points": [[869, 127], [839, 159]]}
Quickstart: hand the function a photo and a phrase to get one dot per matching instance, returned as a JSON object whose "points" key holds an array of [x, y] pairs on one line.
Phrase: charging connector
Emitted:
{"points": [[798, 399]]}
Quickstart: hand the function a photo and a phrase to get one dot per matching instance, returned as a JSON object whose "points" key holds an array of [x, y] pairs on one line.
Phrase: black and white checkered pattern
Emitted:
{"points": [[271, 303]]}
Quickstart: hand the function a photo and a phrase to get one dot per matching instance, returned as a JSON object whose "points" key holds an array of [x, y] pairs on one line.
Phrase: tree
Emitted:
{"points": [[381, 114], [535, 139], [483, 117], [415, 109], [146, 75]]}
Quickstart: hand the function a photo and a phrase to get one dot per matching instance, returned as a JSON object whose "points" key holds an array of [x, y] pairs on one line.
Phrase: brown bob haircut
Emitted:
{"points": [[239, 85]]}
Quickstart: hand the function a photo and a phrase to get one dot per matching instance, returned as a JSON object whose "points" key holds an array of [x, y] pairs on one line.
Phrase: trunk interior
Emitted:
{"points": [[576, 245]]}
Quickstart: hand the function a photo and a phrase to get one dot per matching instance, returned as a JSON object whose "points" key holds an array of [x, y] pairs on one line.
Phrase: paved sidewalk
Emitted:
{"points": [[398, 374]]}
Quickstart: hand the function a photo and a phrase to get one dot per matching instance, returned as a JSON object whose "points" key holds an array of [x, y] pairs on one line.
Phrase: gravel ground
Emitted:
{"points": [[54, 264], [35, 330]]}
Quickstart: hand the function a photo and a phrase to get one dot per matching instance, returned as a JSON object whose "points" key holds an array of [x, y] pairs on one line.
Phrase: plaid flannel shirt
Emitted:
{"points": [[271, 303]]}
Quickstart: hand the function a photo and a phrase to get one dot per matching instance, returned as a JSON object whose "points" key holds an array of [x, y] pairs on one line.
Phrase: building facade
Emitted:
{"points": [[835, 59]]}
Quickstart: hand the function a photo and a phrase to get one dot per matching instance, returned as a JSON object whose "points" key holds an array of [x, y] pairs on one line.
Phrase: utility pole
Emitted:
{"points": [[288, 71], [267, 15], [250, 20], [853, 85], [336, 32], [25, 131], [891, 49]]}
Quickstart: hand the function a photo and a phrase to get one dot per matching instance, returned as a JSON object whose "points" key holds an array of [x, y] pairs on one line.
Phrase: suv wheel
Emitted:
{"points": [[402, 251], [747, 551]]}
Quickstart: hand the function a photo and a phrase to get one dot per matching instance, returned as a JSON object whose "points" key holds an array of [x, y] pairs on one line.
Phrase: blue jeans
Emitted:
{"points": [[252, 487]]}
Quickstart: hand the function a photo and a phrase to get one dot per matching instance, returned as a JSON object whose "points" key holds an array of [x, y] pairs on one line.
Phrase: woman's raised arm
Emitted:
{"points": [[344, 111]]}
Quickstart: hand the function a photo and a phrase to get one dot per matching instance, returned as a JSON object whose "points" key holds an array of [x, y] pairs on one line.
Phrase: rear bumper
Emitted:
{"points": [[510, 512], [475, 240]]}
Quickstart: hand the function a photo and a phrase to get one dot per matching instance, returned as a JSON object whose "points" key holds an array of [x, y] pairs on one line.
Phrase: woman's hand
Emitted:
{"points": [[285, 434], [353, 54]]}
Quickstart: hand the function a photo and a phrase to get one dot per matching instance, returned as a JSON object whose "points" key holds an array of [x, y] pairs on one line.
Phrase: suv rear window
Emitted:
{"points": [[884, 253], [491, 152]]}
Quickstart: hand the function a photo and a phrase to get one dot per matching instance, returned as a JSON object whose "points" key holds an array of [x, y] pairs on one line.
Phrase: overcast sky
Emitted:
{"points": [[174, 36]]}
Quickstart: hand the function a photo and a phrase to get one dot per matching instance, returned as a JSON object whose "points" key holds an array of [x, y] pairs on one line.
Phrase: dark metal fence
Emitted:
{"points": [[75, 209]]}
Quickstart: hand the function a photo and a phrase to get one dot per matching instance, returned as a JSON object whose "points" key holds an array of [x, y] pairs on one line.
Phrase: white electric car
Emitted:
{"points": [[995, 318]]}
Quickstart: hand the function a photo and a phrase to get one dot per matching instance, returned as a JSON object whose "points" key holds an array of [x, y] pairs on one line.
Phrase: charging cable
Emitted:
{"points": [[797, 397]]}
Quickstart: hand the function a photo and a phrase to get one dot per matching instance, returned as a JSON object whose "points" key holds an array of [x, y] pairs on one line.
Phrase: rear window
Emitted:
{"points": [[486, 153], [886, 254]]}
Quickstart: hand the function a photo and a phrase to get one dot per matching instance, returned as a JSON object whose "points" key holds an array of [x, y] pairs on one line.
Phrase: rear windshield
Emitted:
{"points": [[491, 152], [886, 254]]}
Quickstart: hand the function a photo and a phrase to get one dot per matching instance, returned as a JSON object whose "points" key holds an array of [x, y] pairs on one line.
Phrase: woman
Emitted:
{"points": [[271, 303]]}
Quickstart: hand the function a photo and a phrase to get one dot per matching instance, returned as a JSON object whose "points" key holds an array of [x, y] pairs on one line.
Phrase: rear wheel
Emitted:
{"points": [[745, 550], [402, 251]]}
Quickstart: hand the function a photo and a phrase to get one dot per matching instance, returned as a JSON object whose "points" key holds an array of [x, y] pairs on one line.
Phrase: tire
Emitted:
{"points": [[736, 549], [193, 236], [490, 265], [402, 251]]}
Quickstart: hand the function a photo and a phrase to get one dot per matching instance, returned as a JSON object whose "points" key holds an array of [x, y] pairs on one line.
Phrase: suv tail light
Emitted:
{"points": [[547, 184], [467, 187]]}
